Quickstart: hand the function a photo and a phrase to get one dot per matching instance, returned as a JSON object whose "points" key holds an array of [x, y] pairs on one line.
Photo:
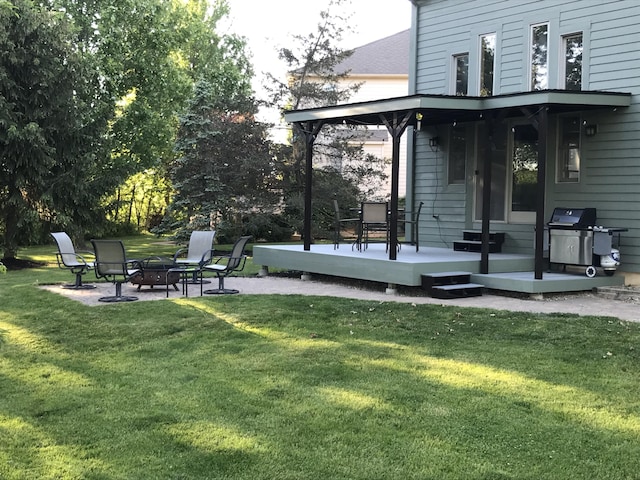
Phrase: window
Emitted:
{"points": [[457, 154], [540, 57], [572, 46], [461, 74], [487, 59], [568, 160]]}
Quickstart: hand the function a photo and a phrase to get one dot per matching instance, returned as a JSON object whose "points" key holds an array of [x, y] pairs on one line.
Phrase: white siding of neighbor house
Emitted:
{"points": [[375, 87], [610, 161]]}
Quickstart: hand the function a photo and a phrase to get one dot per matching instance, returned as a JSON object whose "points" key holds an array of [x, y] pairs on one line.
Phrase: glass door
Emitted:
{"points": [[524, 173]]}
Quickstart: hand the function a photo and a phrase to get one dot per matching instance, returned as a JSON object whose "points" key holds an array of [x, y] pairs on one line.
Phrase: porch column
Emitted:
{"points": [[396, 127], [310, 131], [486, 193], [543, 122]]}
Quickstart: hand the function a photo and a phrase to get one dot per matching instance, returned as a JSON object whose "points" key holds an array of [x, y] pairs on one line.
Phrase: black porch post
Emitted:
{"points": [[543, 122], [486, 194], [310, 131], [396, 128]]}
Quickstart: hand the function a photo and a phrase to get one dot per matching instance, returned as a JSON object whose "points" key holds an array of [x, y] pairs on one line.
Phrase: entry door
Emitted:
{"points": [[514, 173]]}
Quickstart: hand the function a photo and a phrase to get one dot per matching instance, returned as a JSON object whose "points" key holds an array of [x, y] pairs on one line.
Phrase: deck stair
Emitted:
{"points": [[447, 285], [472, 241]]}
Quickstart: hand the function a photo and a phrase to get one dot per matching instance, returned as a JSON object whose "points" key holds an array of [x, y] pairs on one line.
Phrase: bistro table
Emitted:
{"points": [[184, 273]]}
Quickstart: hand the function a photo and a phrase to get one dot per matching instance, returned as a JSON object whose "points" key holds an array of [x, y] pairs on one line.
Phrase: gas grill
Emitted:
{"points": [[575, 239]]}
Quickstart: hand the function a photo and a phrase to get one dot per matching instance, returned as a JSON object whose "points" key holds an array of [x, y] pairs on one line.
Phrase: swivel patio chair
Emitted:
{"points": [[112, 265], [75, 260], [338, 223], [198, 254], [224, 266]]}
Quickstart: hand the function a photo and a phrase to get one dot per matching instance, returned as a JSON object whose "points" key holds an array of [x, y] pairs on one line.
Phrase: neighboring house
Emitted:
{"points": [[382, 67], [538, 98], [382, 70]]}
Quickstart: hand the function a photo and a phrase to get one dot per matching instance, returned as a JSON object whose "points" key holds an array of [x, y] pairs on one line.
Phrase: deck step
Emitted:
{"points": [[476, 235], [472, 242], [450, 285], [475, 246], [461, 290]]}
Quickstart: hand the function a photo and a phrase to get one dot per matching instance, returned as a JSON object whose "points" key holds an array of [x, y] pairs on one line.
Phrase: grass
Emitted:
{"points": [[295, 387]]}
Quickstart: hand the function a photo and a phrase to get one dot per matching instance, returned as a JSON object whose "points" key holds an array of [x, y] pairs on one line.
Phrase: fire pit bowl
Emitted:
{"points": [[155, 271]]}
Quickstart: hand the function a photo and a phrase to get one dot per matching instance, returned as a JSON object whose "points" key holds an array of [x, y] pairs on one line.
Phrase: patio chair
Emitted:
{"points": [[198, 254], [75, 260], [224, 266], [374, 217], [413, 219], [338, 222], [112, 265]]}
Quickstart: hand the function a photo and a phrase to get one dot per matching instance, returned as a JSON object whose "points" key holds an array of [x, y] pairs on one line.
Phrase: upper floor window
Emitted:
{"points": [[540, 57], [572, 46], [487, 63], [461, 66]]}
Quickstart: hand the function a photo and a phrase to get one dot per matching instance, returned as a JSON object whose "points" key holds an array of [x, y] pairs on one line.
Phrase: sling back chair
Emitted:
{"points": [[198, 254], [413, 220], [338, 222], [112, 265], [374, 217], [225, 265], [77, 261]]}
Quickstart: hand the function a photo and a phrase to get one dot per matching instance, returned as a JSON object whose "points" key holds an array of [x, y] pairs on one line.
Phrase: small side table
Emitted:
{"points": [[184, 274]]}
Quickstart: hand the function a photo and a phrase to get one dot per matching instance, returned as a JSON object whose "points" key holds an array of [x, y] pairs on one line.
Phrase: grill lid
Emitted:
{"points": [[573, 217]]}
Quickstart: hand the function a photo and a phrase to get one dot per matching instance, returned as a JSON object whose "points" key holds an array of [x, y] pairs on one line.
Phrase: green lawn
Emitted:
{"points": [[292, 387]]}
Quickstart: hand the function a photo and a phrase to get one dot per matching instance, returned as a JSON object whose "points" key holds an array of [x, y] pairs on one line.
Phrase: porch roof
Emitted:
{"points": [[441, 109]]}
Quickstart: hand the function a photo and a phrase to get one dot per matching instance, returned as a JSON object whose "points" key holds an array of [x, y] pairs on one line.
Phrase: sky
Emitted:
{"points": [[269, 24]]}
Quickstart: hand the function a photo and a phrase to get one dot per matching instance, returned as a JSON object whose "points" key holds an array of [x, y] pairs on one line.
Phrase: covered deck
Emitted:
{"points": [[508, 271]]}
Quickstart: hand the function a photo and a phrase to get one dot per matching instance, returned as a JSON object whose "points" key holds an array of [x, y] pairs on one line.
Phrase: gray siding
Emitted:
{"points": [[610, 161]]}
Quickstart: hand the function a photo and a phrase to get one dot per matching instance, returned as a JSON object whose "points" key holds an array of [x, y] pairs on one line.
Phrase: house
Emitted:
{"points": [[538, 99], [382, 69]]}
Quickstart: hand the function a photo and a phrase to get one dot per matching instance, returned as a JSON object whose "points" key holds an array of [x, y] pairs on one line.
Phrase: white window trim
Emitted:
{"points": [[474, 60], [550, 17], [530, 55], [453, 72], [586, 50]]}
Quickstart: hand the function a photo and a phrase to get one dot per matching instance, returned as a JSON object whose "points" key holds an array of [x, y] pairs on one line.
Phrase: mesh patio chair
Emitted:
{"points": [[112, 265], [224, 266], [77, 261], [413, 219], [198, 254], [374, 217], [339, 222]]}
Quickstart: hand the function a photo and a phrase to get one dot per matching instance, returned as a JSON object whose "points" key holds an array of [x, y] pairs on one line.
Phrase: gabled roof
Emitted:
{"points": [[387, 56]]}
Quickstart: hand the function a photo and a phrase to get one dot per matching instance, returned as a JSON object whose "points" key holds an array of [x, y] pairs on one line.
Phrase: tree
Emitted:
{"points": [[50, 135], [317, 81], [224, 176]]}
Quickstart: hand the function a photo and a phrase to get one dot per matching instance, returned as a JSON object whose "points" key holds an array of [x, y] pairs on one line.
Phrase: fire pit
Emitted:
{"points": [[155, 271]]}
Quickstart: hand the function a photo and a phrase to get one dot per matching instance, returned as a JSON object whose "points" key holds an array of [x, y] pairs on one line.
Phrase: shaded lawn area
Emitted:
{"points": [[292, 387]]}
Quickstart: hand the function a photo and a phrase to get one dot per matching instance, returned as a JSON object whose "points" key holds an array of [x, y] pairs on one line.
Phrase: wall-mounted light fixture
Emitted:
{"points": [[590, 130], [418, 121]]}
